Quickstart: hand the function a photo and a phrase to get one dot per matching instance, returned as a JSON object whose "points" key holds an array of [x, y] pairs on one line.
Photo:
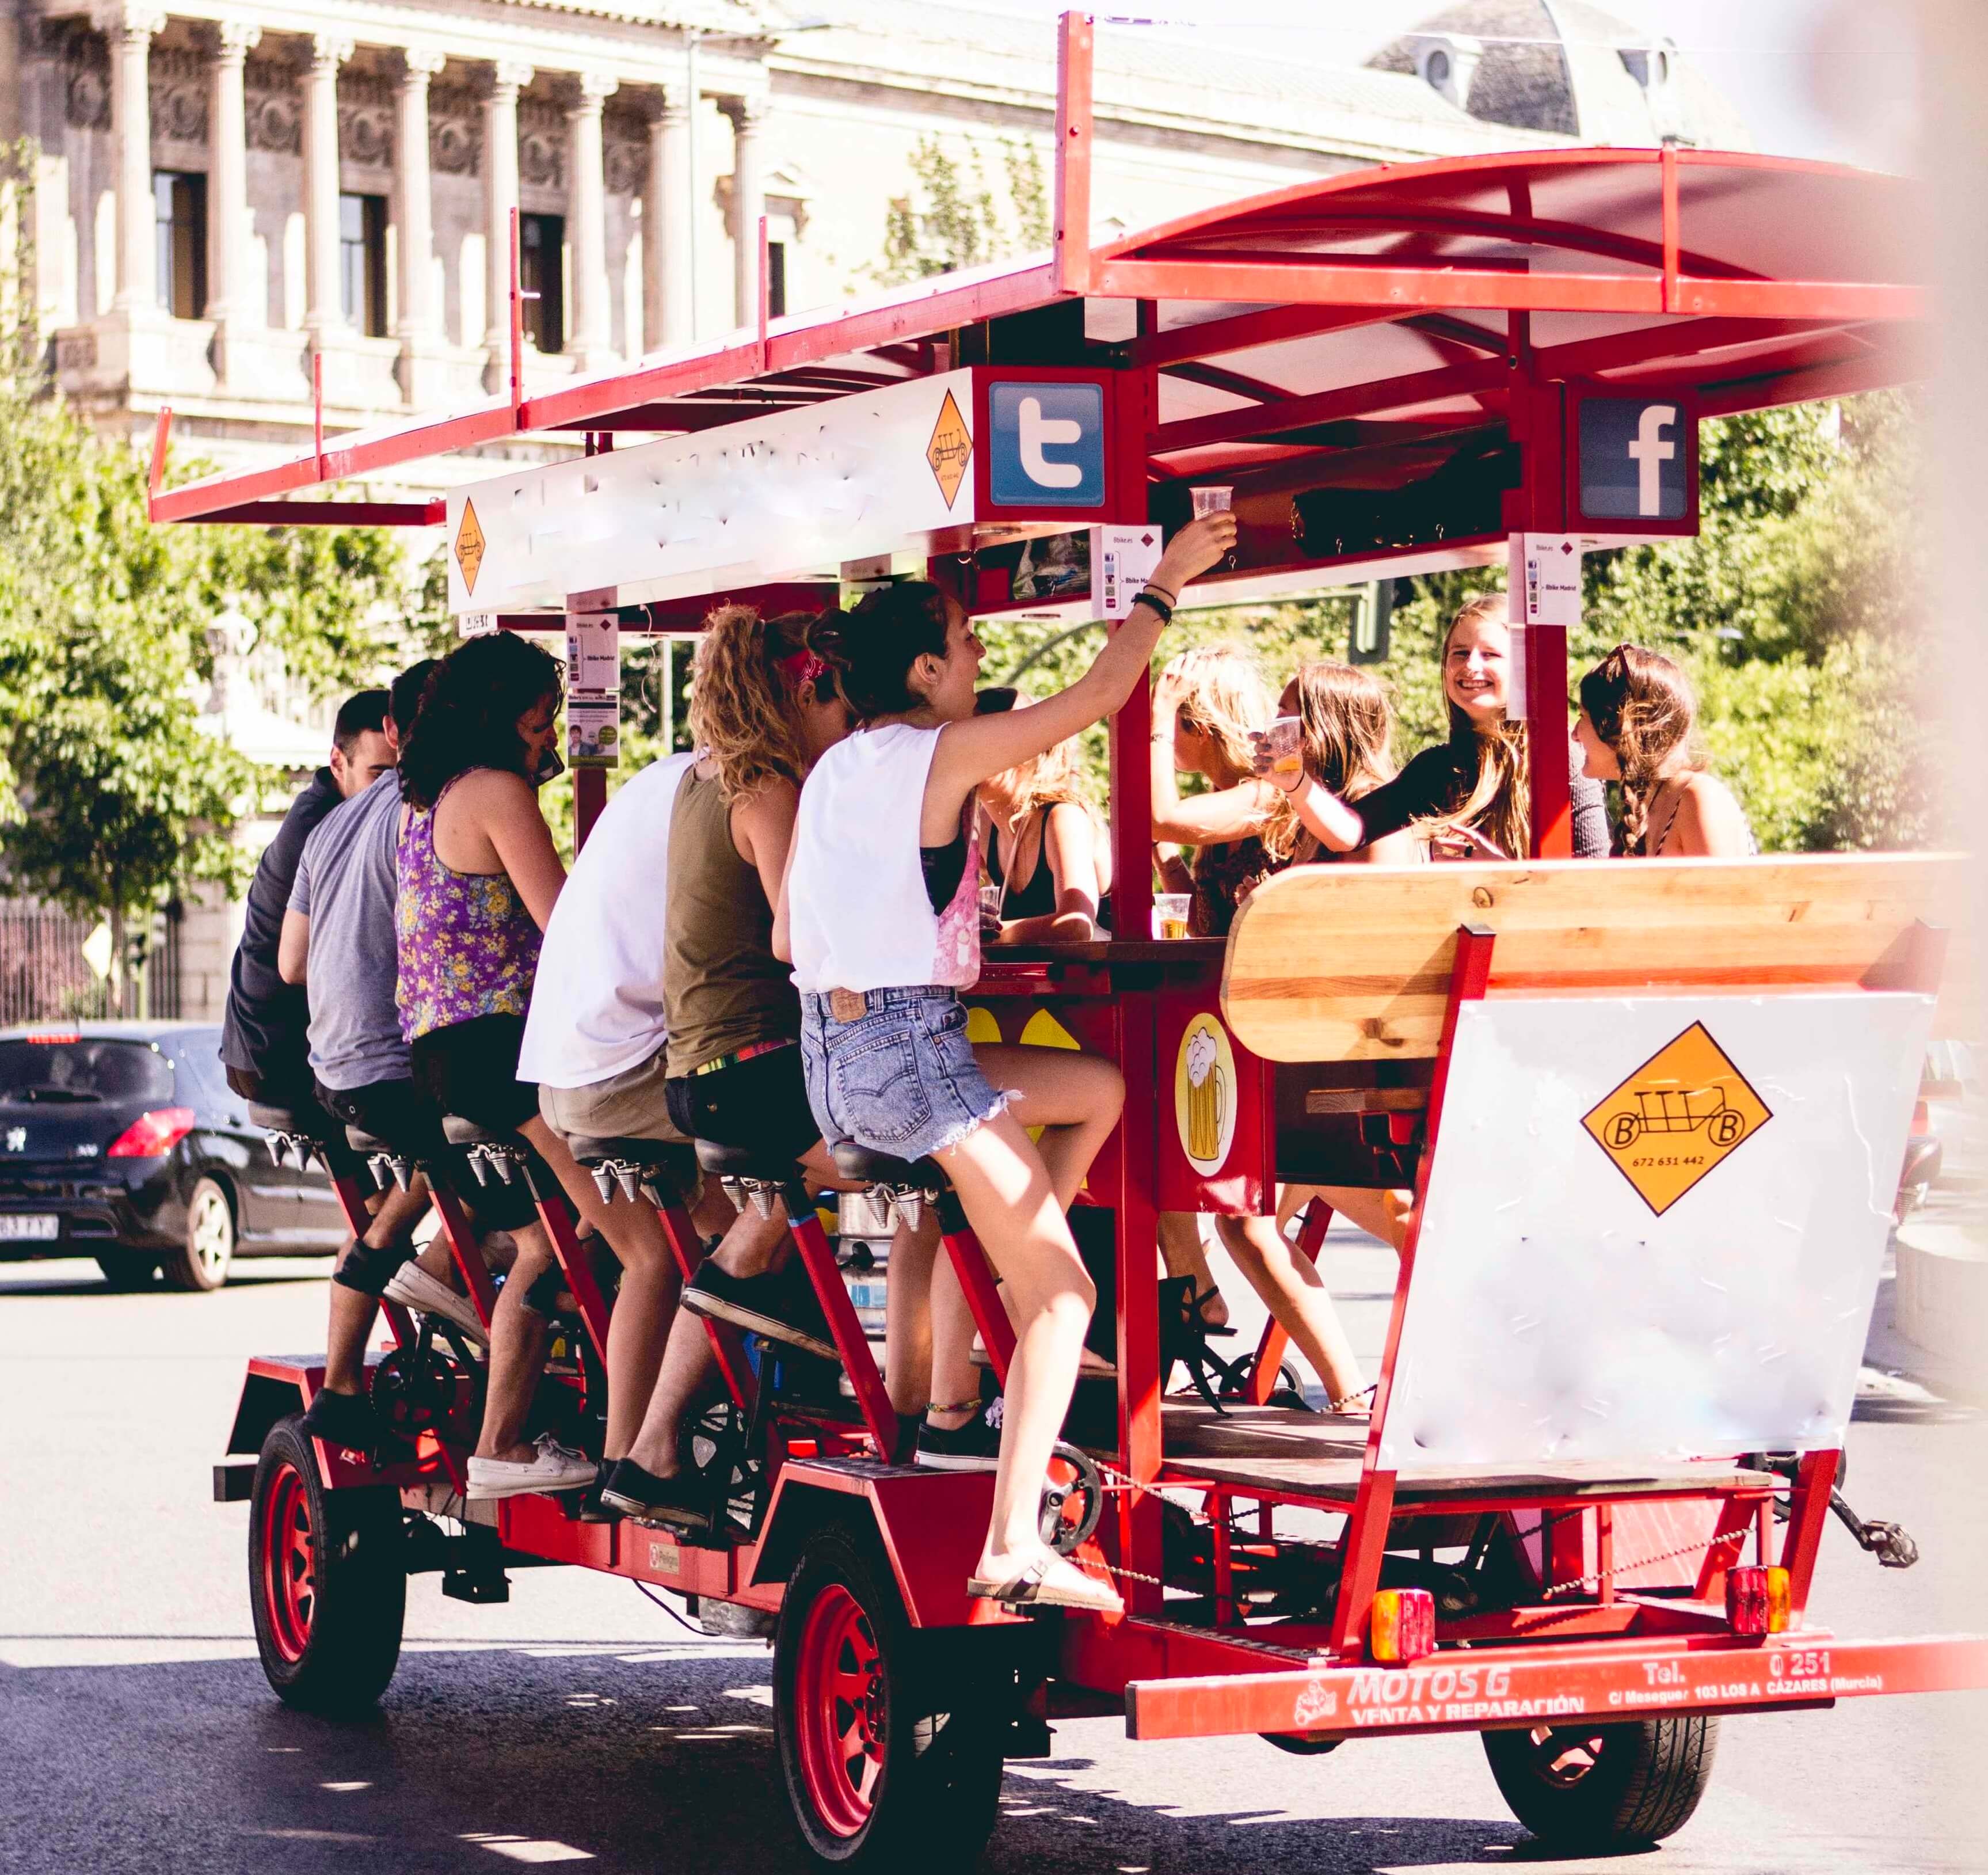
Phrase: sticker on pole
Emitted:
{"points": [[1682, 1112], [1204, 1094], [469, 546], [950, 449]]}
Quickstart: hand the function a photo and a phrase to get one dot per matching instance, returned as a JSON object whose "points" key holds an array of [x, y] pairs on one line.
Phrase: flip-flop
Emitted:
{"points": [[1029, 1589]]}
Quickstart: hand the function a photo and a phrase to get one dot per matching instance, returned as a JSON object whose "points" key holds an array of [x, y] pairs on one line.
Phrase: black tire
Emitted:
{"points": [[128, 1269], [201, 1259], [327, 1582], [922, 1787], [1598, 1787]]}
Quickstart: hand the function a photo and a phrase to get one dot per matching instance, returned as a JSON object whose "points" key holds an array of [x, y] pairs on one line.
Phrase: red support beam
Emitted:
{"points": [[1273, 325], [1076, 44], [1403, 288], [1442, 384]]}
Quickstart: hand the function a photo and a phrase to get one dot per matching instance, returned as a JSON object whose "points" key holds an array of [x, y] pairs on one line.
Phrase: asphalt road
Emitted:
{"points": [[579, 1721]]}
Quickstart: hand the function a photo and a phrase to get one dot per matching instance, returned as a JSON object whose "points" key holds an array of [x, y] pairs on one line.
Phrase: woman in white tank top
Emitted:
{"points": [[880, 915]]}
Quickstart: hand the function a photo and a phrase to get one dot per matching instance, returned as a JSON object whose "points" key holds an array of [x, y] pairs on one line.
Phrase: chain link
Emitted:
{"points": [[1624, 1568]]}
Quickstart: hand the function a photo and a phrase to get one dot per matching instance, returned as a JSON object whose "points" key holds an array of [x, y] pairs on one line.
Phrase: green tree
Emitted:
{"points": [[950, 217]]}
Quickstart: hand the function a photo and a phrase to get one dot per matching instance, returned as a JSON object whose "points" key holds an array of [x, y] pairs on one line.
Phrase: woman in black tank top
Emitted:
{"points": [[1038, 829]]}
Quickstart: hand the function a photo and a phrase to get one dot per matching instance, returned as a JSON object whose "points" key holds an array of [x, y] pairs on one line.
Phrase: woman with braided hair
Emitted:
{"points": [[1638, 726]]}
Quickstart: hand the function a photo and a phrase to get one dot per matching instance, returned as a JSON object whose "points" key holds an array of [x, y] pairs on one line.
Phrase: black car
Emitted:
{"points": [[123, 1141]]}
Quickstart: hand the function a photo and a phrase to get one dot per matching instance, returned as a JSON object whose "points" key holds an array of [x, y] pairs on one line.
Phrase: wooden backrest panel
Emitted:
{"points": [[1344, 963]]}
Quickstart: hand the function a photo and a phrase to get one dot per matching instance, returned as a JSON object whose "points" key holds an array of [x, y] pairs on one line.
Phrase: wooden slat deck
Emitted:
{"points": [[1318, 1455]]}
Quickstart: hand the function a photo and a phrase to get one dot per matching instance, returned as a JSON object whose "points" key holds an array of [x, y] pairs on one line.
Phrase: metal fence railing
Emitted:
{"points": [[45, 977]]}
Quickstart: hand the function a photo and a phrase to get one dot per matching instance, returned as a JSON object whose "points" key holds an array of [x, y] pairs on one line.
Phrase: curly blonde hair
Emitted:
{"points": [[743, 705], [1224, 698], [1048, 780]]}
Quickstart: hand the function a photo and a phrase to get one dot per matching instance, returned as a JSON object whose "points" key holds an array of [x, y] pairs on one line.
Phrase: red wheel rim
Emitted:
{"points": [[841, 1711], [289, 1562]]}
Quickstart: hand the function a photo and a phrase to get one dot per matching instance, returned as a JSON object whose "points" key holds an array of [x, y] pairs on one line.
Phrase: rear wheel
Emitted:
{"points": [[891, 1751], [1595, 1787], [202, 1259], [327, 1585]]}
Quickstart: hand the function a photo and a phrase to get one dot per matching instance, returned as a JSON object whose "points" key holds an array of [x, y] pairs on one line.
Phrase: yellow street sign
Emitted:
{"points": [[1686, 1109], [951, 447], [469, 546]]}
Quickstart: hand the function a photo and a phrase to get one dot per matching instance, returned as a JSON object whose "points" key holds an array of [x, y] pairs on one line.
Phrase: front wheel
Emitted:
{"points": [[1592, 1787], [891, 1760], [327, 1582], [202, 1261]]}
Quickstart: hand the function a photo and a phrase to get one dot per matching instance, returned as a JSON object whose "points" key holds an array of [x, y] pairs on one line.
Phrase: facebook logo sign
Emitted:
{"points": [[1632, 459], [1048, 444]]}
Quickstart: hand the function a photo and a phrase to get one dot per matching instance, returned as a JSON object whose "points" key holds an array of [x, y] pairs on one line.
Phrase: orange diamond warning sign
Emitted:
{"points": [[469, 546], [951, 447], [1686, 1108]]}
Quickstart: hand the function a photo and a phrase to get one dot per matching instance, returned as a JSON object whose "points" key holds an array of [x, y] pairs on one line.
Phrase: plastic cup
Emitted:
{"points": [[1170, 913], [1212, 498], [1285, 741], [990, 906]]}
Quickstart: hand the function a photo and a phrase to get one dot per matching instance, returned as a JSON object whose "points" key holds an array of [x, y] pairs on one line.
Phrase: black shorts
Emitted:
{"points": [[301, 1097], [400, 1113], [471, 1069], [761, 1102]]}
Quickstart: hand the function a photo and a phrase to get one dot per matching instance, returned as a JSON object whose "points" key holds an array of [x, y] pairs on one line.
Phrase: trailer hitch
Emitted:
{"points": [[1892, 1543]]}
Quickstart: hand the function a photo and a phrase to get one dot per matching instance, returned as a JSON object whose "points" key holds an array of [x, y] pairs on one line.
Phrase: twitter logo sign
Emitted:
{"points": [[1046, 445]]}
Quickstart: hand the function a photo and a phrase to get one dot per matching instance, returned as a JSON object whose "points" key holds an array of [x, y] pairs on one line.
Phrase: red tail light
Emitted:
{"points": [[152, 1135], [1922, 1120]]}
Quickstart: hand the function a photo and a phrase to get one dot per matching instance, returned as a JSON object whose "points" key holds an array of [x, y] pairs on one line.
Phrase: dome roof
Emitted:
{"points": [[1565, 68]]}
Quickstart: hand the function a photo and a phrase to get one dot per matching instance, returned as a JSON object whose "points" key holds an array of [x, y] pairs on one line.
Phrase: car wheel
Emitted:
{"points": [[202, 1260]]}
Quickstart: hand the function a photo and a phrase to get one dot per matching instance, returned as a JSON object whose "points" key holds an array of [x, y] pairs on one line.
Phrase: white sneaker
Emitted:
{"points": [[412, 1287], [557, 1467]]}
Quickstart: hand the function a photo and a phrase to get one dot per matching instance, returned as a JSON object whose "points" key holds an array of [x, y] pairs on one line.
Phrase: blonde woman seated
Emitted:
{"points": [[1207, 705], [1043, 847]]}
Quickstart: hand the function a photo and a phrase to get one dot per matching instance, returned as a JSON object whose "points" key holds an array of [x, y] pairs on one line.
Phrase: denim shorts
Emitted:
{"points": [[901, 1079]]}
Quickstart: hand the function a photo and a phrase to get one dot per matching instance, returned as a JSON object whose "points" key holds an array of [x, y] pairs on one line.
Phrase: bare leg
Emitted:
{"points": [[518, 1337], [909, 1321], [353, 1311], [1181, 1249], [1006, 1190], [1297, 1299], [649, 1284], [1383, 1214], [750, 1248], [955, 1381]]}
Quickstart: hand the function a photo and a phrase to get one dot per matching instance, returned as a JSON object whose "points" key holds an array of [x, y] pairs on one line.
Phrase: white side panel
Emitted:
{"points": [[1553, 1315], [775, 498]]}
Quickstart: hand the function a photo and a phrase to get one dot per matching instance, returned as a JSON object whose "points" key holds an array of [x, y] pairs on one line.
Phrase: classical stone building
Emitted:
{"points": [[231, 191]]}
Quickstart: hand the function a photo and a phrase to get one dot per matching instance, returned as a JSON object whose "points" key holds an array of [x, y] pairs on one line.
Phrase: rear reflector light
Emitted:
{"points": [[1922, 1120], [47, 1038], [1402, 1627], [151, 1134], [1757, 1600]]}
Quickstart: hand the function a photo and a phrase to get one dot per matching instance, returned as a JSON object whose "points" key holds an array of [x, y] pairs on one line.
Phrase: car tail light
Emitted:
{"points": [[1402, 1627], [1757, 1600], [49, 1039], [152, 1135], [1922, 1119]]}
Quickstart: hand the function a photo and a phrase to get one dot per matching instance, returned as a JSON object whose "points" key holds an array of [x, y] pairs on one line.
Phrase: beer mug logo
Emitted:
{"points": [[1205, 1094]]}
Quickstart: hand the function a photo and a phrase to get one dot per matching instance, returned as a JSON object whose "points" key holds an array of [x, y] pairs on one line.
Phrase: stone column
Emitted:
{"points": [[130, 29], [415, 327], [667, 226], [324, 306], [500, 202], [748, 203], [586, 227], [231, 301]]}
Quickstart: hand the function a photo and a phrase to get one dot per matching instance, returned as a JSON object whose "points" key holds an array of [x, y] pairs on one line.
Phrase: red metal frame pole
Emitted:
{"points": [[590, 798], [766, 288], [1366, 1538], [317, 411], [517, 323], [1076, 39], [162, 432], [1540, 408]]}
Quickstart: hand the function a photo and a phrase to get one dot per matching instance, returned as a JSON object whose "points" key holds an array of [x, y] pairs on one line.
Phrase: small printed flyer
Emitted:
{"points": [[593, 732]]}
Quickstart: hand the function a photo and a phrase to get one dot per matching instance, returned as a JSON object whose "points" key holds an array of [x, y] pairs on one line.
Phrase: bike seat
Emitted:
{"points": [[666, 1153], [460, 1131], [858, 1162], [745, 1162], [280, 1119], [367, 1144]]}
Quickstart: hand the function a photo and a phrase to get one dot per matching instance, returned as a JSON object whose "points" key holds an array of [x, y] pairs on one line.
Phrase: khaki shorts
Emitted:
{"points": [[629, 1105]]}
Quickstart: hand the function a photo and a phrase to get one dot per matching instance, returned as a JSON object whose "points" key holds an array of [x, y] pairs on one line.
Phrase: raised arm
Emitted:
{"points": [[969, 752]]}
